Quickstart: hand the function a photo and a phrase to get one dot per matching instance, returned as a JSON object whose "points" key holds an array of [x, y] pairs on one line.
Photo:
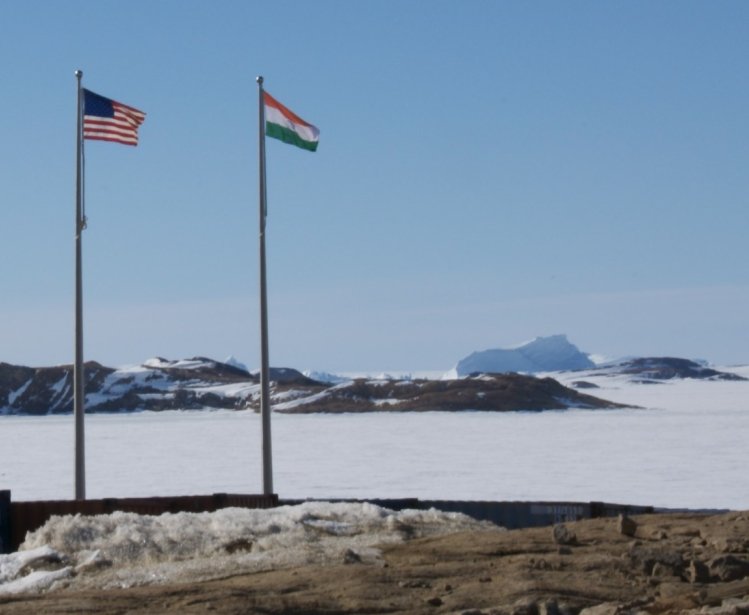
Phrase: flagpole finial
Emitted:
{"points": [[79, 74], [259, 80]]}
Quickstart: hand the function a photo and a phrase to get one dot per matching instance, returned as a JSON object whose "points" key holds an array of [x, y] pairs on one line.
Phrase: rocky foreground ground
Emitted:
{"points": [[667, 563]]}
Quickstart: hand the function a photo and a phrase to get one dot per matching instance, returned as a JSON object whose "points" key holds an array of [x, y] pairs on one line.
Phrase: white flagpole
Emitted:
{"points": [[265, 408], [78, 375]]}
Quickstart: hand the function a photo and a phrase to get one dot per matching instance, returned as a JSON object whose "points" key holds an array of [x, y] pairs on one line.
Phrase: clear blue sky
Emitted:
{"points": [[488, 172]]}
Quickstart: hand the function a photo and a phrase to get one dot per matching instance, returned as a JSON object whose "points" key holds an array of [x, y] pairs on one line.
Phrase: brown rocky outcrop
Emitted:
{"points": [[480, 392]]}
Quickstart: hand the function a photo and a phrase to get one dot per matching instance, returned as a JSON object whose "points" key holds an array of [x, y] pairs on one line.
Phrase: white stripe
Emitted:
{"points": [[139, 116], [308, 133], [110, 136], [114, 124], [92, 134], [114, 131]]}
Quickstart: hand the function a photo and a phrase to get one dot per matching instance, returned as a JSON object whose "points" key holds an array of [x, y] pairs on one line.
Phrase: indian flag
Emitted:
{"points": [[282, 123]]}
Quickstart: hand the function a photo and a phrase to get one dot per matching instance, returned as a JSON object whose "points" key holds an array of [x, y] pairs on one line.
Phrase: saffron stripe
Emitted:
{"points": [[272, 102]]}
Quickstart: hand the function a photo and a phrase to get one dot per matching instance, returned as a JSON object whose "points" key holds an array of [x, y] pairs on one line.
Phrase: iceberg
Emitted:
{"points": [[543, 354]]}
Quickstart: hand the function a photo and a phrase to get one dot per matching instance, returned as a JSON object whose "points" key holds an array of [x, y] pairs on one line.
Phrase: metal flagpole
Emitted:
{"points": [[78, 377], [265, 408]]}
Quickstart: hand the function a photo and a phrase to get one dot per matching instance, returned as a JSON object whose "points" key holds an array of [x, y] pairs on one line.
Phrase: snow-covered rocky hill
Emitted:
{"points": [[157, 384], [200, 383], [480, 382], [653, 370]]}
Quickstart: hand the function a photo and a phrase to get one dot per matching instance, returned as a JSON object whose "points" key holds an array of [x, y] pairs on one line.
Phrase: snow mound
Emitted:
{"points": [[126, 549], [544, 354]]}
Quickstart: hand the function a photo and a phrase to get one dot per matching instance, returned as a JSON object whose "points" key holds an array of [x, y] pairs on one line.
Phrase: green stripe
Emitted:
{"points": [[288, 136]]}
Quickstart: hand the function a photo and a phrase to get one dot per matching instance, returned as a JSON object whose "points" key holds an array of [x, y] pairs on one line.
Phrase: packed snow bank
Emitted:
{"points": [[126, 549], [18, 571]]}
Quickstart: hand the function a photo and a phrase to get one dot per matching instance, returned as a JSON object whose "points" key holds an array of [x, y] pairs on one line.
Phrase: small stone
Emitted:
{"points": [[673, 589], [659, 535], [697, 572], [728, 567], [626, 526], [562, 535], [662, 570], [414, 584], [739, 605], [606, 608], [524, 606], [549, 607], [436, 601]]}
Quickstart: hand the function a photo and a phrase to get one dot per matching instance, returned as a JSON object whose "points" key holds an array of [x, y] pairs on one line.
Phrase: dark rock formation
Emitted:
{"points": [[667, 368], [44, 390], [485, 392]]}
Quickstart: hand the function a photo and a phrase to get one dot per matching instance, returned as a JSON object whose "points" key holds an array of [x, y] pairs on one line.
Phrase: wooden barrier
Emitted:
{"points": [[23, 517]]}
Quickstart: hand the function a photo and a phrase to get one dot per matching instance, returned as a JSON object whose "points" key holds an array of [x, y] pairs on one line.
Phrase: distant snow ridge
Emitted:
{"points": [[544, 354]]}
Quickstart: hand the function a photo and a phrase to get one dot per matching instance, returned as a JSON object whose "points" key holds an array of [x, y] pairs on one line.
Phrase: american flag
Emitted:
{"points": [[108, 120]]}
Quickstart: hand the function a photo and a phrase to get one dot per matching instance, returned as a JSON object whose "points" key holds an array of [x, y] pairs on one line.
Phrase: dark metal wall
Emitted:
{"points": [[512, 515], [516, 515], [18, 518]]}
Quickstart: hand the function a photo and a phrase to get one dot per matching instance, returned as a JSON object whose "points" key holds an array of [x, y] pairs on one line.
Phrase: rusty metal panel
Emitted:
{"points": [[247, 501], [29, 516]]}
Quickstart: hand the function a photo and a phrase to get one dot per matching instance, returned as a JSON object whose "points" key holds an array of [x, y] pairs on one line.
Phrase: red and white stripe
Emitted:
{"points": [[122, 128]]}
